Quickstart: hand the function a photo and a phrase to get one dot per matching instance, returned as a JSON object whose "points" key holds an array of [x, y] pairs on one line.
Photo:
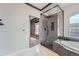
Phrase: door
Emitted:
{"points": [[34, 31]]}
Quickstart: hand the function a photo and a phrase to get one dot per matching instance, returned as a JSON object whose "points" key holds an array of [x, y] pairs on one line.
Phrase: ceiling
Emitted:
{"points": [[45, 6], [39, 6], [55, 10]]}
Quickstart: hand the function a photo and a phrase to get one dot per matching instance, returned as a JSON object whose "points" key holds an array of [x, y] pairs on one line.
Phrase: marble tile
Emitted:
{"points": [[43, 51]]}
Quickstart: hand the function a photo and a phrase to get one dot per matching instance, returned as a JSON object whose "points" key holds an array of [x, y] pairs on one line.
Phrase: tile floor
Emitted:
{"points": [[43, 51]]}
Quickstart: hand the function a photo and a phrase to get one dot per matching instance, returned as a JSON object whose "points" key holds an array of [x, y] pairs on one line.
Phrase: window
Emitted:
{"points": [[74, 26]]}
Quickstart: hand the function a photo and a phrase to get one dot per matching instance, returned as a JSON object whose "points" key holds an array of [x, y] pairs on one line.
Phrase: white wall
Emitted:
{"points": [[43, 26], [14, 35], [69, 10]]}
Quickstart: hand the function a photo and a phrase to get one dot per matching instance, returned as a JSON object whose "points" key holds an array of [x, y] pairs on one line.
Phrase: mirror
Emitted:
{"points": [[34, 31]]}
